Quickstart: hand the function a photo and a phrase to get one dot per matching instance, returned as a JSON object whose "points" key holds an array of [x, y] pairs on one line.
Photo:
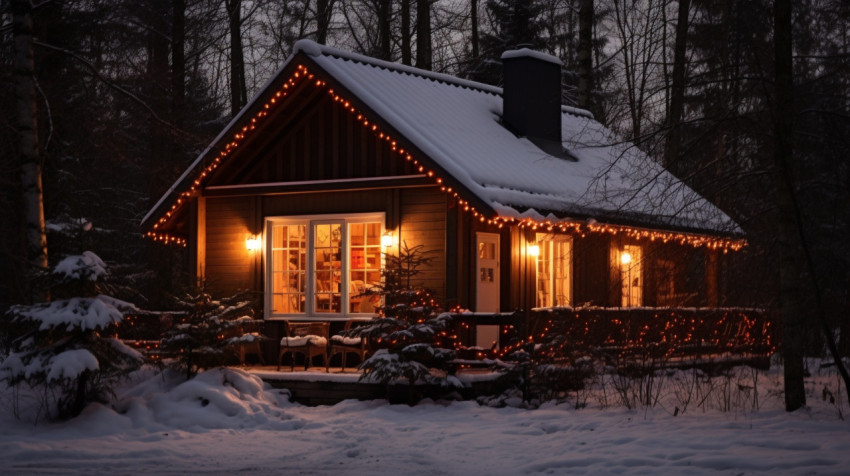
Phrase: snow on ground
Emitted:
{"points": [[227, 421]]}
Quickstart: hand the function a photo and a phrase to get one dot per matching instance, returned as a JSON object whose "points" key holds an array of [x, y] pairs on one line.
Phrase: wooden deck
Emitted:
{"points": [[317, 387]]}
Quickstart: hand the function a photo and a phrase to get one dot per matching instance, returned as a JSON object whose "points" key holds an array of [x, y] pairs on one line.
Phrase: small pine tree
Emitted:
{"points": [[65, 347], [208, 332], [412, 333]]}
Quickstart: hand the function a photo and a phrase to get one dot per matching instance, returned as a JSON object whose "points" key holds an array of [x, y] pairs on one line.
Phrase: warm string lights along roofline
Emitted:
{"points": [[579, 227]]}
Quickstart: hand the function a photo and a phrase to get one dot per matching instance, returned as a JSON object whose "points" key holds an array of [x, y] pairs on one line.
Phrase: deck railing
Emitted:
{"points": [[622, 335]]}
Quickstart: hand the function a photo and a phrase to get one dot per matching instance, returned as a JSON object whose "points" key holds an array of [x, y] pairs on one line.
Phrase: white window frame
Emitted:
{"points": [[310, 276], [550, 243]]}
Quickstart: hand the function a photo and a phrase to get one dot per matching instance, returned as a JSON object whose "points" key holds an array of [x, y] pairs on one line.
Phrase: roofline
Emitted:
{"points": [[305, 49], [225, 133]]}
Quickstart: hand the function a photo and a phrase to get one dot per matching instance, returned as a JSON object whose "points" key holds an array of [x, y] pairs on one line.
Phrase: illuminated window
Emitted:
{"points": [[554, 287], [631, 258], [323, 266]]}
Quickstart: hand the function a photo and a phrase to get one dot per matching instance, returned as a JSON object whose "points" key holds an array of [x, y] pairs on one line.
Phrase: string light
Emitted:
{"points": [[580, 228]]}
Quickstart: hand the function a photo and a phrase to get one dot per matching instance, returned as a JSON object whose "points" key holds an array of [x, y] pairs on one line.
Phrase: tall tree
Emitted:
{"points": [[385, 13], [424, 55], [790, 266], [324, 14], [238, 88], [28, 144], [473, 39], [585, 54], [406, 34], [677, 88], [178, 62]]}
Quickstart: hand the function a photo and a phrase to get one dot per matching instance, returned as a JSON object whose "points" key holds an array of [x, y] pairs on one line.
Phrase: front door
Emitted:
{"points": [[487, 272]]}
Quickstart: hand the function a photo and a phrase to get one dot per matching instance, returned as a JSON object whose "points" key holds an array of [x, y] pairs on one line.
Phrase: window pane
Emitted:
{"points": [[373, 234], [487, 250], [630, 275], [327, 265], [561, 259], [365, 266], [288, 267], [553, 270]]}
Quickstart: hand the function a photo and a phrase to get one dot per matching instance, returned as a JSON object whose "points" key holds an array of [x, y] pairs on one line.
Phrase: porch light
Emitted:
{"points": [[387, 239], [625, 257], [534, 250], [253, 243]]}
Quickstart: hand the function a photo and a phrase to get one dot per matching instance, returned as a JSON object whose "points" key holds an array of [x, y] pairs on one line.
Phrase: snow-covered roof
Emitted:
{"points": [[456, 123]]}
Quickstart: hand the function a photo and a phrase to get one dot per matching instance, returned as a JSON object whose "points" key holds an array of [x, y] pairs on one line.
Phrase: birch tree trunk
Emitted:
{"points": [[28, 147]]}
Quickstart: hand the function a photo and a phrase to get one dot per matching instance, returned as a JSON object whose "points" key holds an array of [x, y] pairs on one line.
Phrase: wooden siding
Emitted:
{"points": [[421, 213], [229, 265], [423, 222], [318, 141]]}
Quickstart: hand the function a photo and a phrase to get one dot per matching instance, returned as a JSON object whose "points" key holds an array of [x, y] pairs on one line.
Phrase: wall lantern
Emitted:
{"points": [[387, 239], [534, 250], [253, 243], [625, 257]]}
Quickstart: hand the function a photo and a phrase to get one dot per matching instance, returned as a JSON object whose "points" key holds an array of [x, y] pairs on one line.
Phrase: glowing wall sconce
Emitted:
{"points": [[625, 257], [387, 239], [534, 250], [253, 243]]}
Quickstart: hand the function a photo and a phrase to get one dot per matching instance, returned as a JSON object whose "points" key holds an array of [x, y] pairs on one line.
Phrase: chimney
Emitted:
{"points": [[531, 97]]}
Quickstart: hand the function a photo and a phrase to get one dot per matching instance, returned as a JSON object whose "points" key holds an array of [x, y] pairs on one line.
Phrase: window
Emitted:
{"points": [[553, 270], [631, 257], [322, 266]]}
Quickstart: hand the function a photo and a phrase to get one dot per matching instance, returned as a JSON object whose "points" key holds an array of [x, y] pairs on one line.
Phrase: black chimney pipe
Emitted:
{"points": [[531, 97]]}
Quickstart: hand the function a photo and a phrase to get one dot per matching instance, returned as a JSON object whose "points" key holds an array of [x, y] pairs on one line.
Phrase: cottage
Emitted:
{"points": [[523, 202]]}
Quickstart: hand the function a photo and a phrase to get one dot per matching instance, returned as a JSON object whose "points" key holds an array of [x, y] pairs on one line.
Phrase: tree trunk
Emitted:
{"points": [[406, 49], [178, 62], [384, 25], [423, 34], [473, 15], [677, 90], [28, 147], [791, 309], [585, 54], [324, 10], [238, 89]]}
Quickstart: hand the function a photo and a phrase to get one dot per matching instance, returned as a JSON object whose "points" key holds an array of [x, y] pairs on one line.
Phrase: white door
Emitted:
{"points": [[487, 272]]}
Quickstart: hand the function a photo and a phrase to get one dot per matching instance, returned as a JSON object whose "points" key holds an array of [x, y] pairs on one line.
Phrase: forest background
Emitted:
{"points": [[103, 103]]}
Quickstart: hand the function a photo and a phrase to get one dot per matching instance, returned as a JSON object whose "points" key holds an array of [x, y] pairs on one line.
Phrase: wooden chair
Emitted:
{"points": [[307, 338], [345, 345], [246, 339]]}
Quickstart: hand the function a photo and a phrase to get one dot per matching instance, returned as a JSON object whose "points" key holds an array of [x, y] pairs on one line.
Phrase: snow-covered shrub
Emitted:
{"points": [[66, 347], [546, 368], [208, 332]]}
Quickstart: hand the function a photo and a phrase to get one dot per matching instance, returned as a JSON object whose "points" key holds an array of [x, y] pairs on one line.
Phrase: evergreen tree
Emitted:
{"points": [[64, 348], [208, 332], [412, 334], [516, 24]]}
